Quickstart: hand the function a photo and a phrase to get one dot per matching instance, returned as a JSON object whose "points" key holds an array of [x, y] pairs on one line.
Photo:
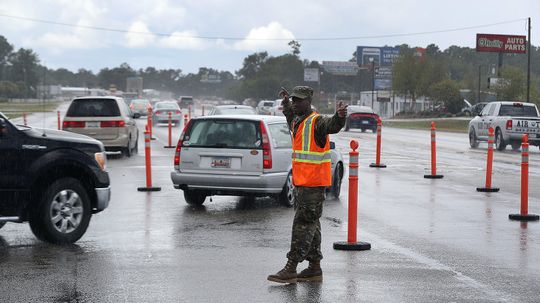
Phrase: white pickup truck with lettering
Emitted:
{"points": [[510, 121]]}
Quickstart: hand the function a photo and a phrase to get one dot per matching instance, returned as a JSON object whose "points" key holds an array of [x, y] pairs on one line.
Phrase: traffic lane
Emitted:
{"points": [[147, 237], [154, 247], [410, 151], [447, 220]]}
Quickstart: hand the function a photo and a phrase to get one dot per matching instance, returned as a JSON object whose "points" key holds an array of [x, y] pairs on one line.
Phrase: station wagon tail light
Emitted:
{"points": [[267, 153], [179, 147], [508, 124], [119, 123], [73, 124]]}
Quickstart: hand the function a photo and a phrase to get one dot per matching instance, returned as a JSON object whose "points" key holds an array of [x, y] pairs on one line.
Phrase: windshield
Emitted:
{"points": [[223, 134], [518, 111], [281, 136]]}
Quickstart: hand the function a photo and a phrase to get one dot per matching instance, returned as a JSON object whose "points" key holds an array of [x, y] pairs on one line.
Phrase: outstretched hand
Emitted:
{"points": [[342, 109], [284, 95]]}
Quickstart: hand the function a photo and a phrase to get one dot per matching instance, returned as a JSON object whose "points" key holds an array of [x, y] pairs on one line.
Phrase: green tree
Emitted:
{"points": [[116, 76], [513, 87], [295, 46], [24, 65], [252, 65], [5, 51], [8, 89], [447, 92]]}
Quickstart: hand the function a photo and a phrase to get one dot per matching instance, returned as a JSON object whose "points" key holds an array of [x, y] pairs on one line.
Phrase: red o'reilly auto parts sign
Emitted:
{"points": [[501, 43]]}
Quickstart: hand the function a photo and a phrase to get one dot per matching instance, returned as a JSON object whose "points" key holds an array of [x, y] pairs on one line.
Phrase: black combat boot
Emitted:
{"points": [[287, 274], [312, 273]]}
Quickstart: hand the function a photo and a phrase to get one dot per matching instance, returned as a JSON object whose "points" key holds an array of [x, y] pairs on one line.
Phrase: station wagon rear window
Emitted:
{"points": [[223, 134], [518, 111], [281, 136], [93, 108]]}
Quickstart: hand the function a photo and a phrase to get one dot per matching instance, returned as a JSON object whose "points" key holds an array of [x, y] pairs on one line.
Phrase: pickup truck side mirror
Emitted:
{"points": [[332, 145], [136, 115], [3, 127]]}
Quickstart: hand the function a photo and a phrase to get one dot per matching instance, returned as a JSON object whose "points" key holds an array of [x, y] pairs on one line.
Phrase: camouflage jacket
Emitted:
{"points": [[323, 125]]}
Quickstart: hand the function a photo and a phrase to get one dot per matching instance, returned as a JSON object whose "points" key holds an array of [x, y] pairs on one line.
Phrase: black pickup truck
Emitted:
{"points": [[53, 179]]}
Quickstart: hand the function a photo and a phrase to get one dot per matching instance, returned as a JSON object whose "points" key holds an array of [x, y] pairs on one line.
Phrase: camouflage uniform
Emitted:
{"points": [[306, 230]]}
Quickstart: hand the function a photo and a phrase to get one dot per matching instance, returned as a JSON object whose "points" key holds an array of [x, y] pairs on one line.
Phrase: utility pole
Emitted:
{"points": [[479, 81], [372, 82], [529, 63]]}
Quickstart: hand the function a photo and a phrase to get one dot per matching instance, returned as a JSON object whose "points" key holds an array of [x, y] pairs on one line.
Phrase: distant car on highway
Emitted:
{"points": [[474, 110], [362, 117], [232, 110], [265, 107], [107, 119], [162, 110], [185, 101], [510, 121], [242, 156], [140, 106]]}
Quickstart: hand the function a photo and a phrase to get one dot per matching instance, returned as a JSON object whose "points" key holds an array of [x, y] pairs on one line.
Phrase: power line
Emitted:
{"points": [[98, 28]]}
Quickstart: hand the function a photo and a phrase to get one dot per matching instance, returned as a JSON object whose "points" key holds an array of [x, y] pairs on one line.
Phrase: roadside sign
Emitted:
{"points": [[340, 68], [311, 74], [501, 43]]}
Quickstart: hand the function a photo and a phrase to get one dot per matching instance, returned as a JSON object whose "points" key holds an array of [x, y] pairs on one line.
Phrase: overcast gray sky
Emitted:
{"points": [[172, 28]]}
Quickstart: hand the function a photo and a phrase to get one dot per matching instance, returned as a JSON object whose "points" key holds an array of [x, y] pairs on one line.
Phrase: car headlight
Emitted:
{"points": [[101, 159]]}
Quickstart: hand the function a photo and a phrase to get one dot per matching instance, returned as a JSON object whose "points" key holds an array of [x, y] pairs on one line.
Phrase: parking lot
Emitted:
{"points": [[432, 240]]}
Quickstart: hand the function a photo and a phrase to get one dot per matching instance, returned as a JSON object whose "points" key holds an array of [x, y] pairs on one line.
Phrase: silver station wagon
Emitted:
{"points": [[239, 155]]}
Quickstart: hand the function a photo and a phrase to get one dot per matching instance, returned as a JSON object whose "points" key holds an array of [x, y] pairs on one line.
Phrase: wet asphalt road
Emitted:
{"points": [[432, 240]]}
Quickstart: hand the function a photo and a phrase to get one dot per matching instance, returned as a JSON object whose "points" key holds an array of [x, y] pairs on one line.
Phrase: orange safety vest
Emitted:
{"points": [[311, 164]]}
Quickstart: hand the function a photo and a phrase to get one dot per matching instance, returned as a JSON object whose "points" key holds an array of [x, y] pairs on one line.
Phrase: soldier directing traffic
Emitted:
{"points": [[311, 172]]}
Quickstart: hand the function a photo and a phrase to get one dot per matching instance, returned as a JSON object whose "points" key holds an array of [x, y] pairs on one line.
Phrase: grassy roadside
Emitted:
{"points": [[16, 109], [449, 125]]}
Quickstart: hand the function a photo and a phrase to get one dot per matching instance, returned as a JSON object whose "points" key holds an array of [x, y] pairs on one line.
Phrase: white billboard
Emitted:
{"points": [[311, 74]]}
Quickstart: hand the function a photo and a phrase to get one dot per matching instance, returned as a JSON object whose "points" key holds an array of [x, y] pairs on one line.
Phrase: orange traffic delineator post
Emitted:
{"points": [[489, 166], [24, 119], [351, 243], [433, 154], [148, 157], [170, 133], [524, 214], [149, 122], [378, 163], [59, 124]]}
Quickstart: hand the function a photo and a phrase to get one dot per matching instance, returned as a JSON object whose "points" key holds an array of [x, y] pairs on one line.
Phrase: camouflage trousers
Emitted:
{"points": [[306, 230]]}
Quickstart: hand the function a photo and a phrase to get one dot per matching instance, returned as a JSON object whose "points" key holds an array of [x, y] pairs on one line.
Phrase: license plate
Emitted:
{"points": [[221, 162], [92, 124], [365, 122]]}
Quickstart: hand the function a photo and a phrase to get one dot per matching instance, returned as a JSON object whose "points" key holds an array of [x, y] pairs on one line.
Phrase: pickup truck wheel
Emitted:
{"points": [[515, 145], [286, 197], [63, 214], [499, 141], [194, 197], [336, 181], [473, 140]]}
